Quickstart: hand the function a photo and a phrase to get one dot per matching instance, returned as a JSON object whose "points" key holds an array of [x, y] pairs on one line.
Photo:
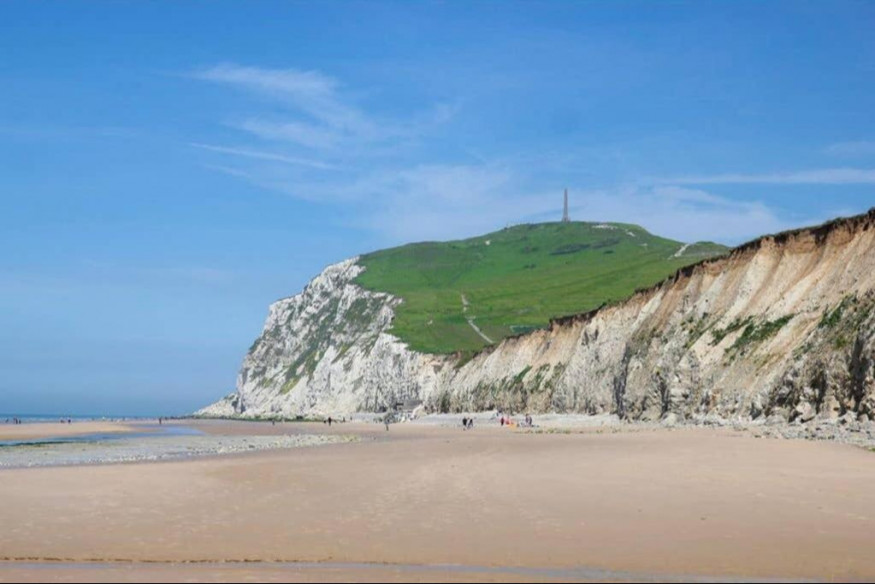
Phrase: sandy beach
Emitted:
{"points": [[496, 504]]}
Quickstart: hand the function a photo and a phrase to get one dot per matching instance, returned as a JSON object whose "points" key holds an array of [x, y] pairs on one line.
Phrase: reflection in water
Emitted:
{"points": [[152, 431]]}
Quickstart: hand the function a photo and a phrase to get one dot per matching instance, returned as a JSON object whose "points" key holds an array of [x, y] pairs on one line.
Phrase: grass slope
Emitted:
{"points": [[518, 279]]}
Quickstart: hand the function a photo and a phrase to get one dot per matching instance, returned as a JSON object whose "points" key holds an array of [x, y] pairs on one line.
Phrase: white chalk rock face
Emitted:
{"points": [[781, 327], [326, 352]]}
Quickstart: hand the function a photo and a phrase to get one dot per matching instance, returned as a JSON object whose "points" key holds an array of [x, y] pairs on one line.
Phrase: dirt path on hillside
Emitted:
{"points": [[470, 320], [680, 252]]}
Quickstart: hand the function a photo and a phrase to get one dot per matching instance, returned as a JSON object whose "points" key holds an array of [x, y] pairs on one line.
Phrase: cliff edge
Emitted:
{"points": [[782, 326]]}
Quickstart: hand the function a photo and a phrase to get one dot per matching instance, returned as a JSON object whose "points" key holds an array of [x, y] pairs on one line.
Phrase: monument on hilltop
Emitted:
{"points": [[565, 217]]}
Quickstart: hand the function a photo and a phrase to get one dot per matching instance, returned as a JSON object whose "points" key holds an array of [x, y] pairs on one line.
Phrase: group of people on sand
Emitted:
{"points": [[467, 423], [508, 421], [17, 421]]}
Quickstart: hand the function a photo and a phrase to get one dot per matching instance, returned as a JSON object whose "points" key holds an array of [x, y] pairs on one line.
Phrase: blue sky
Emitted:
{"points": [[168, 169]]}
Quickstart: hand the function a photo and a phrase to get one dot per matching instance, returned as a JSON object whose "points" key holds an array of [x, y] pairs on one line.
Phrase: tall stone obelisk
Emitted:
{"points": [[565, 217]]}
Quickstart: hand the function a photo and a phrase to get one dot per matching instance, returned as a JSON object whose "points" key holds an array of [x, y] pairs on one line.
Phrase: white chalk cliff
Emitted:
{"points": [[783, 326]]}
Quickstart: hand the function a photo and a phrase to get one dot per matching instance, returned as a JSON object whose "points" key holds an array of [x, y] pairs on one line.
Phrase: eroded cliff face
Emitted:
{"points": [[783, 326], [327, 351]]}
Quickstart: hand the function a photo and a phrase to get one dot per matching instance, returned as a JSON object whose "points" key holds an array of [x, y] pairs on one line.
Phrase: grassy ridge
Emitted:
{"points": [[517, 279]]}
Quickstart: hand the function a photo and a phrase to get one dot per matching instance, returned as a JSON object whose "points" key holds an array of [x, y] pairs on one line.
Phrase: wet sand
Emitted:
{"points": [[40, 430], [631, 505], [324, 572]]}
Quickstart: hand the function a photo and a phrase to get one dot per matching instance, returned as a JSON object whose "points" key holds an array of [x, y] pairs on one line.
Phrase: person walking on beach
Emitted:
{"points": [[464, 423]]}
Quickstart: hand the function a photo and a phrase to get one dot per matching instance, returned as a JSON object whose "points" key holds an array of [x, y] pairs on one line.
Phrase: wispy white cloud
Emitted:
{"points": [[230, 171], [320, 127], [302, 133], [443, 184], [443, 201], [858, 148], [428, 202], [317, 113], [682, 195], [831, 176], [440, 202], [681, 213], [260, 155], [273, 179], [312, 92]]}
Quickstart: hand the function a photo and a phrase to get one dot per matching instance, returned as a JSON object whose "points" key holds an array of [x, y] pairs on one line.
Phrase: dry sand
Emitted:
{"points": [[41, 430], [686, 504]]}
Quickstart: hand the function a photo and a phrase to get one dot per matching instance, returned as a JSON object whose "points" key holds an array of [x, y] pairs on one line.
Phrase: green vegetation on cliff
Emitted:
{"points": [[517, 279]]}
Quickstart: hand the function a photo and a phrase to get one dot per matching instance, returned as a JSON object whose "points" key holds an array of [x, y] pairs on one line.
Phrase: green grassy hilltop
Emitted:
{"points": [[518, 278]]}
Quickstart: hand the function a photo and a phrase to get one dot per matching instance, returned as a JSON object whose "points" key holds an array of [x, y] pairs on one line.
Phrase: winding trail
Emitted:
{"points": [[681, 251], [470, 320]]}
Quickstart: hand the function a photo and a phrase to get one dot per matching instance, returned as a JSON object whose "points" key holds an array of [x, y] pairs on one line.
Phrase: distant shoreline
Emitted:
{"points": [[44, 418], [35, 430]]}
